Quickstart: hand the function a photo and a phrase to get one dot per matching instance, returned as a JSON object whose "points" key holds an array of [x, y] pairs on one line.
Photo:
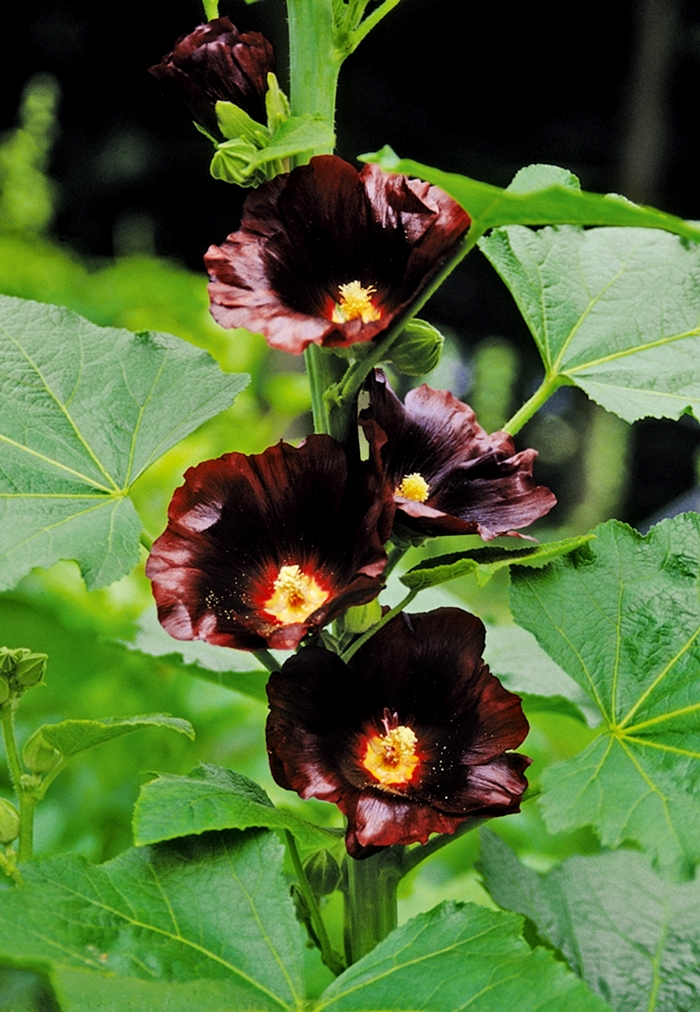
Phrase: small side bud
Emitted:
{"points": [[323, 872], [418, 349], [276, 104], [9, 659], [38, 756], [234, 162], [9, 822], [362, 617], [30, 670]]}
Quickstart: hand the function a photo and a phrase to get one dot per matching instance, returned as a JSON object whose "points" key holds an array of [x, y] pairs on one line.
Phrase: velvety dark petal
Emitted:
{"points": [[324, 225], [238, 520], [477, 483], [424, 674], [215, 63]]}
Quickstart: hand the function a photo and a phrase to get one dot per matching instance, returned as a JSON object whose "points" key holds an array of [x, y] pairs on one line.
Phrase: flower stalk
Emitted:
{"points": [[25, 795], [328, 954], [548, 386]]}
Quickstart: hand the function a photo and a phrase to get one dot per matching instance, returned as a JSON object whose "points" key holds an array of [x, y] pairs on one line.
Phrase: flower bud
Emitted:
{"points": [[30, 670], [323, 873], [362, 617], [233, 162], [9, 822], [10, 658], [38, 756], [417, 349]]}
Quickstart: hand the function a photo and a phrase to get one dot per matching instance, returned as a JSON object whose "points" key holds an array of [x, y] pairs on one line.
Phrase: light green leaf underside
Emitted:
{"points": [[215, 798], [233, 669], [614, 311], [630, 935], [458, 957], [72, 736], [206, 909], [85, 410], [622, 617], [539, 195], [484, 562]]}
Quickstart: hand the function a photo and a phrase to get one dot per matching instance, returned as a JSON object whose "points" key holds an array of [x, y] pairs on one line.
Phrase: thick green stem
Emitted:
{"points": [[330, 957], [314, 61], [370, 903], [26, 798], [211, 9], [325, 370], [544, 391]]}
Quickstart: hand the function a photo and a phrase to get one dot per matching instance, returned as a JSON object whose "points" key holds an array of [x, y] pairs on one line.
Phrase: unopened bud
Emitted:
{"points": [[38, 755], [9, 822], [323, 872], [234, 162], [9, 659], [362, 617], [417, 349], [30, 670]]}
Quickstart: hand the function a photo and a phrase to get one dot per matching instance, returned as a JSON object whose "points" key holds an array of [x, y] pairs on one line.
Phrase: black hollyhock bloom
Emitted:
{"points": [[447, 474], [261, 549], [215, 63], [410, 738], [331, 256]]}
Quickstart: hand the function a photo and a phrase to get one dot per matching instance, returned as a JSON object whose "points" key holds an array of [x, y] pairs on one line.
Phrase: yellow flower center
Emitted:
{"points": [[413, 487], [295, 596], [391, 758], [355, 301]]}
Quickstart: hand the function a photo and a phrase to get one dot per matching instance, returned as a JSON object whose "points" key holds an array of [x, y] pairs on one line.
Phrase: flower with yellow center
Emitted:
{"points": [[355, 301], [413, 487], [295, 596], [391, 757]]}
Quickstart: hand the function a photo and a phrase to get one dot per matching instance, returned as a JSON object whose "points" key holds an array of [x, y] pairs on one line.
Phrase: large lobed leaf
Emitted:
{"points": [[631, 936], [615, 311], [622, 617], [458, 956], [84, 411], [214, 910], [215, 798]]}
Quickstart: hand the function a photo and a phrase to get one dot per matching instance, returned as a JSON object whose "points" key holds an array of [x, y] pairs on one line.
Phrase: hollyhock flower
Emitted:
{"points": [[447, 474], [410, 738], [215, 63], [261, 549], [331, 256]]}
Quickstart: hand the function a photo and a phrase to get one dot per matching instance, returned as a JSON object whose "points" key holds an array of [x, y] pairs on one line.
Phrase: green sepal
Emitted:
{"points": [[362, 617], [9, 822], [234, 162], [234, 122], [38, 755], [276, 104], [323, 872]]}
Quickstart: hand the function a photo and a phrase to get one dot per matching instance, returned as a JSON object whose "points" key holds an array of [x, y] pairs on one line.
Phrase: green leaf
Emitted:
{"points": [[458, 956], [514, 655], [484, 562], [73, 736], [214, 798], [613, 311], [630, 935], [85, 411], [214, 910], [622, 617], [539, 195], [221, 665], [296, 135]]}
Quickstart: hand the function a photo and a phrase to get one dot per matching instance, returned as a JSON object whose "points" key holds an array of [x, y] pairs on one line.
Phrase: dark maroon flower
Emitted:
{"points": [[410, 738], [261, 549], [215, 63], [447, 474], [331, 256]]}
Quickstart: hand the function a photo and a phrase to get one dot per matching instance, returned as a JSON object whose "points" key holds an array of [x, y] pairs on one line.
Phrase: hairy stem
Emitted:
{"points": [[370, 902], [330, 957], [314, 62], [26, 799]]}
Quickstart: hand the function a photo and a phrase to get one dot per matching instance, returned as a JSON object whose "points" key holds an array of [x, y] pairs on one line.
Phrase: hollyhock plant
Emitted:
{"points": [[215, 63], [410, 738], [329, 255], [261, 549], [448, 475]]}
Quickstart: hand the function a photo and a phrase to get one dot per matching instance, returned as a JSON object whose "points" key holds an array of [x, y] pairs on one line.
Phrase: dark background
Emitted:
{"points": [[610, 91]]}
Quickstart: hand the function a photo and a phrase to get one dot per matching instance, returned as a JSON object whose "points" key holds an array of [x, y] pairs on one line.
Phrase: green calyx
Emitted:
{"points": [[20, 669], [9, 822], [418, 349]]}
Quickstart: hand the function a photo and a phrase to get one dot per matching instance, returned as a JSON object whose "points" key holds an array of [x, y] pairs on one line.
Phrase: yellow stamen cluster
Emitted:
{"points": [[295, 596], [413, 487], [391, 758], [355, 301]]}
